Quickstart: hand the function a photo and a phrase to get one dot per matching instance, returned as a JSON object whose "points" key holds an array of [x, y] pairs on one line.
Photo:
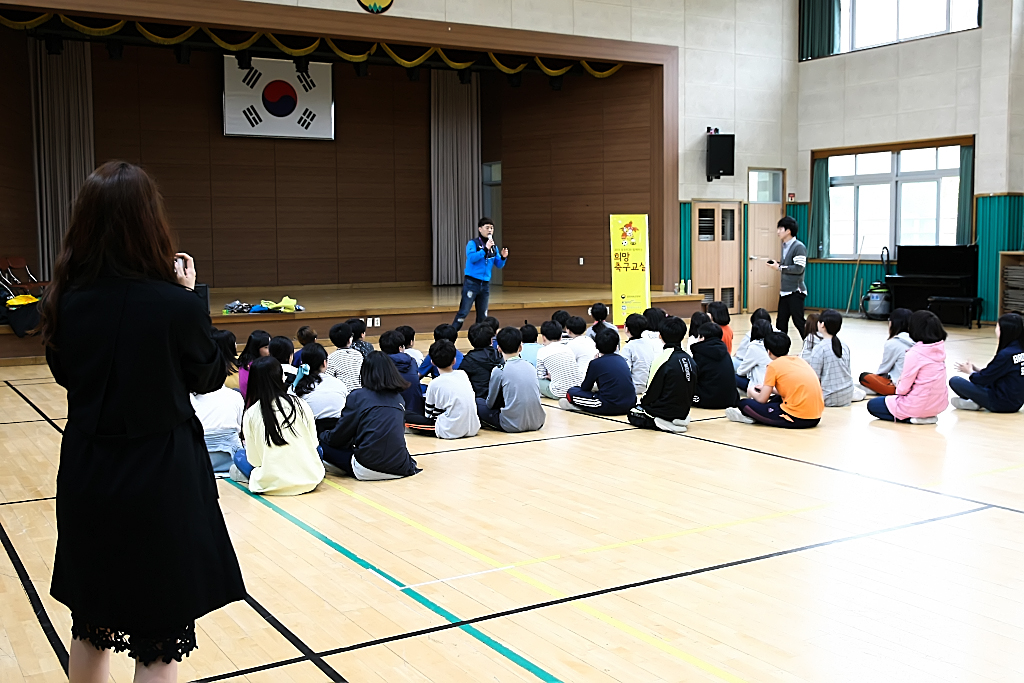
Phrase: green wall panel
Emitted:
{"points": [[684, 241], [1000, 226], [799, 213], [828, 284]]}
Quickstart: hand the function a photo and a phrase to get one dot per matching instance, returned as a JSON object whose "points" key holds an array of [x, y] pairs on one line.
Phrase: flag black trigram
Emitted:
{"points": [[306, 119], [252, 77], [306, 82], [253, 116]]}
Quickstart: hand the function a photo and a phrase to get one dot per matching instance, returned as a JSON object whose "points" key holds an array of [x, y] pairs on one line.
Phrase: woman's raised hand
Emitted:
{"points": [[185, 269]]}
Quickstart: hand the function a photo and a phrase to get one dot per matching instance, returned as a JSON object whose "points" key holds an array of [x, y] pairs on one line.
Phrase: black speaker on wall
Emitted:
{"points": [[721, 150]]}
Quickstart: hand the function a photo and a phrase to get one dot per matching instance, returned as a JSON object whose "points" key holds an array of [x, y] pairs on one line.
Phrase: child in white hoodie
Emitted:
{"points": [[755, 357], [884, 381]]}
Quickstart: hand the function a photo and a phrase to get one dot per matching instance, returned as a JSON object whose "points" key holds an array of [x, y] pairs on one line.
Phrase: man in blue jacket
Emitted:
{"points": [[481, 254]]}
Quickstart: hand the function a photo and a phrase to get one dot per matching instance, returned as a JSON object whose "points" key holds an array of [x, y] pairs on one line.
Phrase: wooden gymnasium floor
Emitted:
{"points": [[590, 551]]}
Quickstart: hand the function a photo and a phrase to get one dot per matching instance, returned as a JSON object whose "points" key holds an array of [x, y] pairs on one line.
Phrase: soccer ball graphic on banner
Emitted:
{"points": [[272, 100]]}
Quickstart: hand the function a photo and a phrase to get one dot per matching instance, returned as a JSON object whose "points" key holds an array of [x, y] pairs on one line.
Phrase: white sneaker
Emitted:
{"points": [[923, 420], [666, 426], [681, 423], [859, 394], [736, 415], [564, 404], [964, 403]]}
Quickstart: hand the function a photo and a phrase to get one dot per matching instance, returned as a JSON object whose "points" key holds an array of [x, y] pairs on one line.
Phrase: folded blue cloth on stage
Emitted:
{"points": [[259, 309]]}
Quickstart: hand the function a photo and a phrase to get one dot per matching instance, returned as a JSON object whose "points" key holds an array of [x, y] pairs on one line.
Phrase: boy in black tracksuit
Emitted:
{"points": [[666, 403], [479, 362], [716, 377], [609, 375]]}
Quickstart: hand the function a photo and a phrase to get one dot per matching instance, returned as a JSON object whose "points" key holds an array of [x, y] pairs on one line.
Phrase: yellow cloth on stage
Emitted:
{"points": [[287, 305], [21, 300]]}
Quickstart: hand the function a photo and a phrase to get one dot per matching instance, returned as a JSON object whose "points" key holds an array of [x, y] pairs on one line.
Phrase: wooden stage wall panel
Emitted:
{"points": [[260, 212], [17, 184], [570, 158]]}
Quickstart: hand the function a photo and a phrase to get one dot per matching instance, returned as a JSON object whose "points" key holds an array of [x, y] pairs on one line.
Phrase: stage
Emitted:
{"points": [[421, 306]]}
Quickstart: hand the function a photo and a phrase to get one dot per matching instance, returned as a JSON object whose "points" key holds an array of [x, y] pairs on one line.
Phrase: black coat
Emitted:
{"points": [[478, 364], [716, 377], [141, 541], [670, 393], [372, 425]]}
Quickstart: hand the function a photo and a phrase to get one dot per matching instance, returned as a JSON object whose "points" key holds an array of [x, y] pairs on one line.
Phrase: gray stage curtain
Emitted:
{"points": [[62, 128], [455, 171], [964, 217]]}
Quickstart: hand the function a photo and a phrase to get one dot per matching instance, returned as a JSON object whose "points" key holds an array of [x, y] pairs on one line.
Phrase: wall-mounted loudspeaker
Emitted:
{"points": [[721, 150]]}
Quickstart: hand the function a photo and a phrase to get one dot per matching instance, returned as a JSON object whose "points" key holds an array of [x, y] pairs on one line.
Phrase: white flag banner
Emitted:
{"points": [[273, 100]]}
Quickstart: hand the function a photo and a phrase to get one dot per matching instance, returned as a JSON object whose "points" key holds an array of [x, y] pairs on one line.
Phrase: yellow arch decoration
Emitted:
{"points": [[245, 45], [292, 52], [600, 74], [454, 65], [348, 57], [551, 72], [504, 69], [160, 40], [24, 25], [95, 32], [408, 65]]}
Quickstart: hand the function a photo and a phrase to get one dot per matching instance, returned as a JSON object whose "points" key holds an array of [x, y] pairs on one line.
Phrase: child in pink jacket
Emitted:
{"points": [[921, 393]]}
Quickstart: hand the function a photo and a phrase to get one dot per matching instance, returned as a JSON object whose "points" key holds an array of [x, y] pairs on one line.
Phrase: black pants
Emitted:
{"points": [[473, 290], [791, 306]]}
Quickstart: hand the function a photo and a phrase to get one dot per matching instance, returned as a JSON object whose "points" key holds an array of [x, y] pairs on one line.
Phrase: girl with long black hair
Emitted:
{"points": [[831, 362], [257, 346], [324, 394], [280, 456], [999, 386]]}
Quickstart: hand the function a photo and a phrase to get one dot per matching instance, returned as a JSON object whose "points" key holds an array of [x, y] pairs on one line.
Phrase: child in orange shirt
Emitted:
{"points": [[719, 313], [790, 396]]}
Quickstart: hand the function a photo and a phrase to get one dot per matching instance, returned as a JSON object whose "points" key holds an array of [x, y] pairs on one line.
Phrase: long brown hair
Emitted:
{"points": [[118, 226]]}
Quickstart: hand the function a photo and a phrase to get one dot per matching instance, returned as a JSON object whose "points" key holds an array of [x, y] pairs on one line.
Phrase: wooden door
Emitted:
{"points": [[763, 244], [730, 233], [716, 251]]}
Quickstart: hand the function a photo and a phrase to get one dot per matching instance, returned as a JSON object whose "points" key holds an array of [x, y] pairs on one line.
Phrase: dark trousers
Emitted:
{"points": [[473, 290], [742, 382], [591, 402], [773, 415], [965, 388], [489, 417], [877, 408], [791, 306], [339, 457]]}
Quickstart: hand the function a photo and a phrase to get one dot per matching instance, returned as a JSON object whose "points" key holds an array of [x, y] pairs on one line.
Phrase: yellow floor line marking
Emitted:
{"points": [[662, 645], [939, 482]]}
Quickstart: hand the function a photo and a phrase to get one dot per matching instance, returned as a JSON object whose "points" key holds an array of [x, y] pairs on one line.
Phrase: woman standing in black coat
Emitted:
{"points": [[142, 549]]}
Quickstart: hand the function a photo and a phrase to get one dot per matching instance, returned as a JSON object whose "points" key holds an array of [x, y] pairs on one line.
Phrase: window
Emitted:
{"points": [[869, 23], [881, 199], [764, 187]]}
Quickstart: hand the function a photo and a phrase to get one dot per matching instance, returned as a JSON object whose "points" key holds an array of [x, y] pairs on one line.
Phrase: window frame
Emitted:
{"points": [[852, 32], [895, 179]]}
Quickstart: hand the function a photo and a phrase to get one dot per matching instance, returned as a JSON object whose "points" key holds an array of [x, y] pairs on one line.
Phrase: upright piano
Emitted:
{"points": [[923, 272]]}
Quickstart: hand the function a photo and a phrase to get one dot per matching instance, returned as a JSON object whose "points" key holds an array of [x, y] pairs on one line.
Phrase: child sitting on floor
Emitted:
{"points": [[697, 321], [530, 344], [741, 350], [831, 363], [790, 396], [921, 393], [719, 313], [811, 336], [392, 343], [755, 362], [479, 362], [281, 348], [305, 335], [583, 347], [358, 326], [716, 379], [654, 317], [220, 411], [346, 363], [513, 397], [556, 365], [599, 312], [257, 345], [562, 318], [442, 331], [410, 341], [325, 395], [450, 406], [368, 442], [999, 386], [666, 403], [280, 456], [615, 393], [885, 380], [638, 352]]}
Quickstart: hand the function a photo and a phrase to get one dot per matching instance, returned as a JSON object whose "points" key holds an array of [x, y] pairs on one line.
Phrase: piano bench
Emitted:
{"points": [[971, 306]]}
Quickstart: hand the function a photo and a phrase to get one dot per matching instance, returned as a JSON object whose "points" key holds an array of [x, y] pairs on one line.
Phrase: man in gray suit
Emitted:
{"points": [[792, 290]]}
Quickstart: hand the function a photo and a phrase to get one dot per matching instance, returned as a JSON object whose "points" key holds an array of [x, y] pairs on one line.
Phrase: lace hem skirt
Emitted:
{"points": [[146, 649]]}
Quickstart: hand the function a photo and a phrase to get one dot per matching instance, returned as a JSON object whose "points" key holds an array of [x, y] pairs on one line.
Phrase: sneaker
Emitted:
{"points": [[564, 404], [859, 394], [736, 415], [964, 403], [666, 426], [334, 469], [681, 423], [923, 420]]}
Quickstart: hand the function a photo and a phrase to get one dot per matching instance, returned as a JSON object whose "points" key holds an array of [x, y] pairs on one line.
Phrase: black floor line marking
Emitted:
{"points": [[516, 443], [306, 650], [592, 594], [27, 379], [33, 599], [28, 500], [21, 422], [35, 407]]}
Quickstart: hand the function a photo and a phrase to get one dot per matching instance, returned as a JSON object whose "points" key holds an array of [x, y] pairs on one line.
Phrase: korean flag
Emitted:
{"points": [[272, 100]]}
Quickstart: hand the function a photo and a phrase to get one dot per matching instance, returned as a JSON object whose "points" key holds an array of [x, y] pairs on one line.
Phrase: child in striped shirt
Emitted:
{"points": [[346, 362]]}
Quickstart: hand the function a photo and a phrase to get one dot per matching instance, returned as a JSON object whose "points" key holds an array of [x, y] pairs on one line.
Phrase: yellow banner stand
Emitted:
{"points": [[631, 279]]}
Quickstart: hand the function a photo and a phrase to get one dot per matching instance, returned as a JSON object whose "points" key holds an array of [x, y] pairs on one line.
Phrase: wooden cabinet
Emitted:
{"points": [[717, 234]]}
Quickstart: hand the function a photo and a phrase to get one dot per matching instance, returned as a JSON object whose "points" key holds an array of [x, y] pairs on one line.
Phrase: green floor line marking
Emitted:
{"points": [[415, 595]]}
